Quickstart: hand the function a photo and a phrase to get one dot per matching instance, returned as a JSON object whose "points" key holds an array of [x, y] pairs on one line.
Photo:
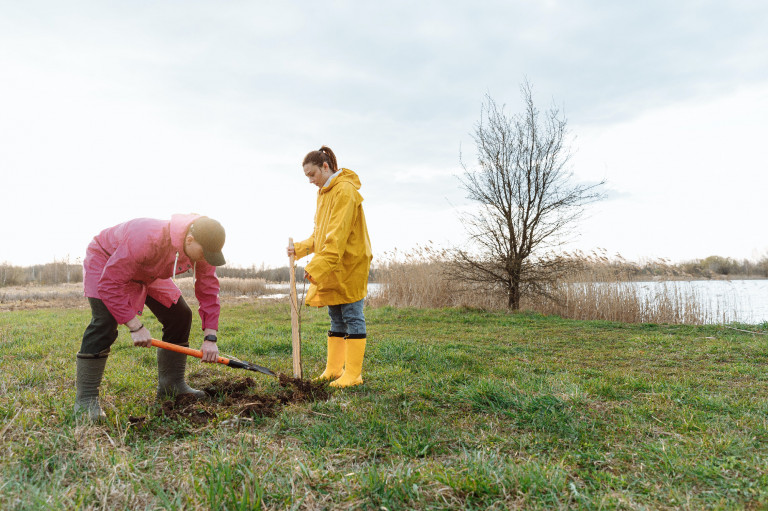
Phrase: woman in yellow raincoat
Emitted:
{"points": [[338, 272]]}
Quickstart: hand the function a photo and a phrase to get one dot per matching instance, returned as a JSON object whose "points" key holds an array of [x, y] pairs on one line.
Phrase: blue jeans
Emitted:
{"points": [[347, 320]]}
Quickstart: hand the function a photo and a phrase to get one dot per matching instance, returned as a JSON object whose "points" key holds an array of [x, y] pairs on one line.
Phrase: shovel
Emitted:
{"points": [[199, 354]]}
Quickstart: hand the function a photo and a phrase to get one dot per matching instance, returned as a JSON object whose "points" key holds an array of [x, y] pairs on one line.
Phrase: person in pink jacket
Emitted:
{"points": [[134, 264]]}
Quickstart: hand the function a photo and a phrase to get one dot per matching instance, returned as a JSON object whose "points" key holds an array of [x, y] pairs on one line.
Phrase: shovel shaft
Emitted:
{"points": [[221, 360], [185, 350]]}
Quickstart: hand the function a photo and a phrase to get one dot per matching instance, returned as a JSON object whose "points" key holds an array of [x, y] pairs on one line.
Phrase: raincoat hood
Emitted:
{"points": [[345, 176], [179, 226]]}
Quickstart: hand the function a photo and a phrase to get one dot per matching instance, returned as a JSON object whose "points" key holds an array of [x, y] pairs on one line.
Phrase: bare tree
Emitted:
{"points": [[522, 183]]}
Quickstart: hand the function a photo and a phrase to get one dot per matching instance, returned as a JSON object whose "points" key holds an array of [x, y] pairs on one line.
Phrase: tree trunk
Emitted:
{"points": [[513, 295]]}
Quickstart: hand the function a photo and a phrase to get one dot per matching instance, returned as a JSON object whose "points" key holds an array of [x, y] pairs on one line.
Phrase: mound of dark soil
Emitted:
{"points": [[300, 391], [238, 396]]}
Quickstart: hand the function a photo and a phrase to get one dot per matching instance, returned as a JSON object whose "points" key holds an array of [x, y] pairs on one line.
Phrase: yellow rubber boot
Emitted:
{"points": [[334, 367], [354, 364]]}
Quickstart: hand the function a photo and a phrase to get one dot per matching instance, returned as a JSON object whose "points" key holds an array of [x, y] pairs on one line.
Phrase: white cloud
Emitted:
{"points": [[694, 174], [113, 111]]}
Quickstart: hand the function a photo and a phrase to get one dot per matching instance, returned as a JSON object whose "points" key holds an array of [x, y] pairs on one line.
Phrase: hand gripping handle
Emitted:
{"points": [[185, 350]]}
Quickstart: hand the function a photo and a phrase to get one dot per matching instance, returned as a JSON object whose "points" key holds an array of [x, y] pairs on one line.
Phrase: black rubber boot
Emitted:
{"points": [[170, 376], [90, 370]]}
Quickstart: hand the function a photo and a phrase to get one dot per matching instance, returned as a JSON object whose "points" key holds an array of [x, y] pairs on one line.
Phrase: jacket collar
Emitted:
{"points": [[343, 175]]}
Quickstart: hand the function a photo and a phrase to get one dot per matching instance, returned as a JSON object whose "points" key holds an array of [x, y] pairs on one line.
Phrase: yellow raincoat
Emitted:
{"points": [[340, 243]]}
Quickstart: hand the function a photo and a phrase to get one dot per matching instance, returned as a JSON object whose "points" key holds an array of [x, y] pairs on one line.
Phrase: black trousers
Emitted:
{"points": [[101, 333]]}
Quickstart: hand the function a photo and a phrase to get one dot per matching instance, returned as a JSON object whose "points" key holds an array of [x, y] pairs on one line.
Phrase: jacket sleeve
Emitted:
{"points": [[207, 292], [306, 247], [339, 227], [116, 287]]}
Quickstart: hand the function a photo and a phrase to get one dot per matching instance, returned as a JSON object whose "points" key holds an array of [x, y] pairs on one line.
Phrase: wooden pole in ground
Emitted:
{"points": [[295, 334]]}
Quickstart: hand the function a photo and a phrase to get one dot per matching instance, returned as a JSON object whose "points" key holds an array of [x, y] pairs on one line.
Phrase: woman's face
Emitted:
{"points": [[317, 175]]}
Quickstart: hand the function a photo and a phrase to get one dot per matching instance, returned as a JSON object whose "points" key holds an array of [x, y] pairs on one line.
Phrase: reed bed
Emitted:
{"points": [[71, 295], [418, 278], [36, 296], [229, 287], [601, 289], [36, 292], [598, 289], [424, 285], [625, 302]]}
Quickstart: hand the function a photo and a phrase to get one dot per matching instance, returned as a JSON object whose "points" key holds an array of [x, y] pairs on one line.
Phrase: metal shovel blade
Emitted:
{"points": [[251, 367]]}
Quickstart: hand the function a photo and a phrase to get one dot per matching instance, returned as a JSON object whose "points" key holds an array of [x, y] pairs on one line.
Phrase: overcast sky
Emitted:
{"points": [[116, 110]]}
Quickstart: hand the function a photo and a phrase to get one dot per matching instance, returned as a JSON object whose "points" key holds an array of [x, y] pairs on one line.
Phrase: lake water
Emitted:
{"points": [[745, 301], [282, 289]]}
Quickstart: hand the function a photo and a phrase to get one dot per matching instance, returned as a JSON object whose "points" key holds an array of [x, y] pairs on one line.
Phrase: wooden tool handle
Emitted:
{"points": [[295, 335]]}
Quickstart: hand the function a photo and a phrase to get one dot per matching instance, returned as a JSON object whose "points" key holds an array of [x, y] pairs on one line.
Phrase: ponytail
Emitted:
{"points": [[323, 155]]}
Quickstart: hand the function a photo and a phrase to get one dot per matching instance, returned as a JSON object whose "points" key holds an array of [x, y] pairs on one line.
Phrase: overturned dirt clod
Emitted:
{"points": [[305, 390], [230, 388], [137, 421]]}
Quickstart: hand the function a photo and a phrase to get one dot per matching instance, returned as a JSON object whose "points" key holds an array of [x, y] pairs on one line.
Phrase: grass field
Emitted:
{"points": [[461, 409]]}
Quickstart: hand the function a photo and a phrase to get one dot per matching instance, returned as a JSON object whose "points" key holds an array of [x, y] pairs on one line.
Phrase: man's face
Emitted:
{"points": [[317, 175], [193, 249]]}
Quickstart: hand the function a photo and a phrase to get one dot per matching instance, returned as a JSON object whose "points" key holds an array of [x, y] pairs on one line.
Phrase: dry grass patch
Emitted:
{"points": [[71, 295]]}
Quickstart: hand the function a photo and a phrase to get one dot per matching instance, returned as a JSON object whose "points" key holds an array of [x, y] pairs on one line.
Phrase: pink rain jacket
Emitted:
{"points": [[127, 262]]}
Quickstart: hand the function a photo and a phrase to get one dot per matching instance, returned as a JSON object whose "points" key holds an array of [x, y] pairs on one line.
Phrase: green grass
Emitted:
{"points": [[461, 409]]}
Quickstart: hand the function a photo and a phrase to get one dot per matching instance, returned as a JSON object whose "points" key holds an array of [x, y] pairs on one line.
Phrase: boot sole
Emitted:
{"points": [[352, 384]]}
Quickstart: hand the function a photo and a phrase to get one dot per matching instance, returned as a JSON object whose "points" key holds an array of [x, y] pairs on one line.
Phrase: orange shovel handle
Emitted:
{"points": [[185, 350]]}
